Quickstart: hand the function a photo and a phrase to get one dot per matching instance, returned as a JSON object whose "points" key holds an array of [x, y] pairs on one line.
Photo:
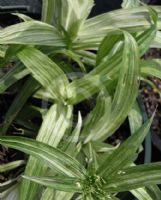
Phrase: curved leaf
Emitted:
{"points": [[135, 177], [45, 71], [131, 19], [53, 128], [125, 153], [31, 32], [57, 183], [54, 158]]}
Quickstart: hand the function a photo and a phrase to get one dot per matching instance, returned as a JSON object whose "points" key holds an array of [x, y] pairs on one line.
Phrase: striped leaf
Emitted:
{"points": [[125, 153], [135, 118], [67, 14], [27, 90], [109, 67], [31, 32], [131, 19], [57, 183], [135, 177], [12, 76], [150, 193], [51, 12], [69, 146], [54, 158], [45, 71], [53, 128], [11, 165], [85, 87], [151, 68], [125, 94]]}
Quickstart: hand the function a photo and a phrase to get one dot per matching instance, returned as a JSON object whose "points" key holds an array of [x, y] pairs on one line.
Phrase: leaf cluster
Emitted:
{"points": [[66, 60]]}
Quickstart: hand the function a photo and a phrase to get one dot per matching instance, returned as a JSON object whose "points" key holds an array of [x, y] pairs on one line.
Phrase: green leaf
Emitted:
{"points": [[149, 34], [11, 165], [3, 50], [74, 57], [87, 57], [54, 126], [154, 191], [150, 193], [70, 143], [131, 19], [126, 91], [65, 14], [69, 146], [109, 67], [25, 18], [58, 183], [85, 87], [31, 32], [63, 196], [12, 76], [48, 194], [121, 157], [10, 193], [157, 40], [151, 68], [51, 11], [26, 91], [108, 43], [7, 184], [97, 118], [145, 39], [135, 177], [54, 158], [45, 71], [73, 15], [135, 118]]}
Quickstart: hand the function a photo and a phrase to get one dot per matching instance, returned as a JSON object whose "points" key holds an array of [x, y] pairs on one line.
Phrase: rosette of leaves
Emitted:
{"points": [[65, 59]]}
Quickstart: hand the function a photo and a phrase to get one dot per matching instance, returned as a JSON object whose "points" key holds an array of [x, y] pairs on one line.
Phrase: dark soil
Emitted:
{"points": [[152, 100]]}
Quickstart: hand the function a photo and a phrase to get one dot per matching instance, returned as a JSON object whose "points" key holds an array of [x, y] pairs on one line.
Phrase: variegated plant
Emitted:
{"points": [[65, 59]]}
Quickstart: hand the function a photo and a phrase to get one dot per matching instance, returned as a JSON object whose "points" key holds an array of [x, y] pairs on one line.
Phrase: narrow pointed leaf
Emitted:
{"points": [[25, 18], [110, 67], [135, 177], [85, 87], [73, 15], [150, 193], [61, 184], [126, 91], [54, 158], [31, 32], [45, 71], [53, 128], [26, 91], [131, 19], [11, 165], [135, 118], [16, 73], [121, 157], [51, 11], [98, 118], [108, 43], [151, 68]]}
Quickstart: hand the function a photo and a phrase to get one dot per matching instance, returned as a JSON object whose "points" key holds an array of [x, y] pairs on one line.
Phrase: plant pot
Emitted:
{"points": [[23, 6], [102, 6]]}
